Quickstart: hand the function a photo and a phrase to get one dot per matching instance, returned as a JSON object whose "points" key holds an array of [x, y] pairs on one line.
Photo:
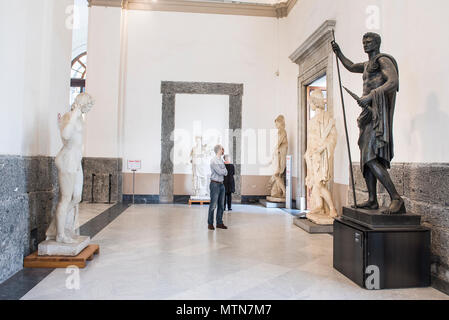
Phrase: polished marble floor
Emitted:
{"points": [[166, 252], [88, 211]]}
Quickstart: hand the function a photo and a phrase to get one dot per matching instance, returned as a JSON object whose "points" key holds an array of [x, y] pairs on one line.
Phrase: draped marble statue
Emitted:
{"points": [[277, 181], [200, 159], [319, 157], [62, 237]]}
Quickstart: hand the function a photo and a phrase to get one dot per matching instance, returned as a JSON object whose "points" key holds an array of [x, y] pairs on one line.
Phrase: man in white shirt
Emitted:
{"points": [[217, 189]]}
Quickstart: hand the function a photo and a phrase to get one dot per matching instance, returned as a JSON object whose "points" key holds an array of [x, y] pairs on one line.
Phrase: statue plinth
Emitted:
{"points": [[274, 199], [376, 219], [53, 248], [312, 227], [320, 218], [272, 204], [199, 198]]}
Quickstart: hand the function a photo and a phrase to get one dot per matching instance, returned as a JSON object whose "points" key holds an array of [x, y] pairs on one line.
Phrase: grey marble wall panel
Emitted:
{"points": [[425, 189], [14, 225], [166, 188], [102, 168], [167, 128], [201, 88], [28, 197], [427, 183]]}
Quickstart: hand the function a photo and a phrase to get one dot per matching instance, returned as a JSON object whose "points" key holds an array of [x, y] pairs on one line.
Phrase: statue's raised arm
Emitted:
{"points": [[349, 65]]}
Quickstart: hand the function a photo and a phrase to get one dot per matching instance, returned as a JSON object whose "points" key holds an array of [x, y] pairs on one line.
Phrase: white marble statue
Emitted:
{"points": [[70, 176], [321, 141], [200, 159], [277, 183]]}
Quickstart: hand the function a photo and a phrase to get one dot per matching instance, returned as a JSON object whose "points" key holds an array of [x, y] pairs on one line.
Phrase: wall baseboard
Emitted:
{"points": [[141, 198], [440, 285]]}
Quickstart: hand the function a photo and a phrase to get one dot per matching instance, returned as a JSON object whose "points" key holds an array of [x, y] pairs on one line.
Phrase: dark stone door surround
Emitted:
{"points": [[169, 89]]}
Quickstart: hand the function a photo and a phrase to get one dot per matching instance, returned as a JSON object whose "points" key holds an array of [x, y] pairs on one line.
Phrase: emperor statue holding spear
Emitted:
{"points": [[380, 84]]}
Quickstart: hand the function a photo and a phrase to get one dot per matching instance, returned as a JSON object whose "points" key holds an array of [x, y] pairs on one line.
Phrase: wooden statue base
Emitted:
{"points": [[36, 261], [201, 202]]}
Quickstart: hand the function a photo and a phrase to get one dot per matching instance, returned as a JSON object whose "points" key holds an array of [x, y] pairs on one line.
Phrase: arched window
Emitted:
{"points": [[78, 76]]}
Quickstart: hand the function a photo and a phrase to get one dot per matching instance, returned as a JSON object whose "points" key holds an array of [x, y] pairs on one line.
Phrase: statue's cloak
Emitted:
{"points": [[376, 123]]}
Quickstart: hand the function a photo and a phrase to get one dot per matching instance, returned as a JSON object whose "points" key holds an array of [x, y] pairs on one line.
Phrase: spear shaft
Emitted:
{"points": [[346, 126]]}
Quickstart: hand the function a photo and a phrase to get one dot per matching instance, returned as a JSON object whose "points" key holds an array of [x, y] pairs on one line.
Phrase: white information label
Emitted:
{"points": [[134, 165]]}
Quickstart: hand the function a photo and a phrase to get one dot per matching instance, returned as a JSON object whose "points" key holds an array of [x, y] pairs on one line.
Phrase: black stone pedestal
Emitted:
{"points": [[375, 218], [400, 254]]}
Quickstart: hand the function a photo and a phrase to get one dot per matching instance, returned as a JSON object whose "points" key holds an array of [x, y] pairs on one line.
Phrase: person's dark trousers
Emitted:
{"points": [[217, 199], [228, 200]]}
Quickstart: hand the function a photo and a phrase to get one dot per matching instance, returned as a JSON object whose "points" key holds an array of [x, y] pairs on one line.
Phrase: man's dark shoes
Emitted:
{"points": [[211, 227], [221, 226]]}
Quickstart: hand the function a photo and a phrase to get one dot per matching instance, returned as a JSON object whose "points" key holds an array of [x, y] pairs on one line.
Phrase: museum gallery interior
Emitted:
{"points": [[224, 150]]}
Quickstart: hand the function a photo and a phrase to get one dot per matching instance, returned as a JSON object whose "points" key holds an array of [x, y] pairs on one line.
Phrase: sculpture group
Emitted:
{"points": [[380, 85]]}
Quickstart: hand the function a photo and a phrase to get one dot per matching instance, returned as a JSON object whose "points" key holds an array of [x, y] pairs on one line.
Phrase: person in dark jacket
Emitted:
{"points": [[229, 182]]}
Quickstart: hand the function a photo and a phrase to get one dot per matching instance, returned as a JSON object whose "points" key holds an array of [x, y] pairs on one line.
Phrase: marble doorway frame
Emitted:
{"points": [[169, 89], [315, 59]]}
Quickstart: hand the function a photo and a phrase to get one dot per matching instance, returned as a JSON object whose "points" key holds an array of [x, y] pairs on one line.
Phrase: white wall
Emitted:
{"points": [[413, 32], [198, 115], [102, 82], [170, 46], [236, 49], [80, 29], [35, 73]]}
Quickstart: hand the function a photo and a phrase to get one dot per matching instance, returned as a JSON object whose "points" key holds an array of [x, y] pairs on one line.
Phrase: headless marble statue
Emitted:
{"points": [[277, 183], [70, 173], [200, 169], [321, 141]]}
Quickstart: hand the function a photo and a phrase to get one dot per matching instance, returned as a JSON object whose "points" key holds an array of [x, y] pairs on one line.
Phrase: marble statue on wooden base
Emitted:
{"points": [[277, 181], [62, 235], [200, 159], [319, 157]]}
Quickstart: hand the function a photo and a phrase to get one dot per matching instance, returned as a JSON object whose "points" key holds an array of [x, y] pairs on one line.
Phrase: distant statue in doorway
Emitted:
{"points": [[200, 159], [319, 157], [277, 181], [70, 172]]}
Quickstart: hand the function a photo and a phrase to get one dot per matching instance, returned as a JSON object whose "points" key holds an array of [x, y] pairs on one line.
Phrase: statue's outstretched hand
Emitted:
{"points": [[335, 47]]}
